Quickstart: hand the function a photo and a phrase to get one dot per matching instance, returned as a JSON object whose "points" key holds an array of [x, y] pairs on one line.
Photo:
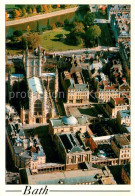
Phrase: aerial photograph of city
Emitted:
{"points": [[67, 94]]}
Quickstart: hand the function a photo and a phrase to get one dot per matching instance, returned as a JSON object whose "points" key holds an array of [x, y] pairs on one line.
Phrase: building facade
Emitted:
{"points": [[121, 147], [117, 104], [68, 124]]}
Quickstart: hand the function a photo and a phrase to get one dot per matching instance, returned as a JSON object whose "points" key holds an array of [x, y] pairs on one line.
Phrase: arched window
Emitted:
{"points": [[38, 107]]}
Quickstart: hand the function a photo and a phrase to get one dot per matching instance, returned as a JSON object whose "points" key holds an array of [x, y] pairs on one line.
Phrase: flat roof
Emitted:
{"points": [[67, 177], [124, 113], [122, 140]]}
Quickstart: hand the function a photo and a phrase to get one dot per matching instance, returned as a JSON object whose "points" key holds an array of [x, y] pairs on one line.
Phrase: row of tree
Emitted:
{"points": [[24, 10]]}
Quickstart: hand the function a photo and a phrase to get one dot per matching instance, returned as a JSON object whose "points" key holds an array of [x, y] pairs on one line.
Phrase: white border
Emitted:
{"points": [[4, 187]]}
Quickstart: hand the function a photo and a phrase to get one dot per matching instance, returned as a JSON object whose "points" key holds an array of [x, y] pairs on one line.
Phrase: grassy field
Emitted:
{"points": [[50, 41], [106, 36]]}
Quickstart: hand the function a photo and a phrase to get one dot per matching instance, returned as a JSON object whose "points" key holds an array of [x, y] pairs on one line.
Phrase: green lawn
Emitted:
{"points": [[106, 36], [50, 41]]}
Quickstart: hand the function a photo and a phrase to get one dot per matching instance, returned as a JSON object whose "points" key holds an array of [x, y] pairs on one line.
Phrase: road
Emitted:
{"points": [[89, 50], [41, 16], [70, 52], [101, 21]]}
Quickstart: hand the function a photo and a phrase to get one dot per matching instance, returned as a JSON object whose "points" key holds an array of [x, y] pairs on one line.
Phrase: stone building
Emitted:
{"points": [[121, 147], [33, 63], [118, 10], [120, 24], [72, 149], [26, 152], [87, 176], [123, 117], [117, 104], [76, 91], [41, 104], [38, 110], [68, 124], [104, 95]]}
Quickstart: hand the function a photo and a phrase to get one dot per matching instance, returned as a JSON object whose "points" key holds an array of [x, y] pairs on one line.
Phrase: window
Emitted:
{"points": [[38, 107]]}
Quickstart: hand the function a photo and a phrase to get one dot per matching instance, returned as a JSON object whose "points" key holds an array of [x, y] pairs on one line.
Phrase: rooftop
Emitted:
{"points": [[124, 113], [122, 140], [120, 100], [68, 120], [35, 85], [110, 88], [48, 74], [68, 177], [71, 143], [17, 75]]}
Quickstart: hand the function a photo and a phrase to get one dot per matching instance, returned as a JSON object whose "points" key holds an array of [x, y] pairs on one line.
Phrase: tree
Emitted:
{"points": [[49, 27], [16, 13], [39, 8], [30, 11], [78, 29], [23, 43], [67, 25], [66, 22], [84, 8], [33, 40], [102, 11], [93, 33], [20, 11], [6, 16], [18, 33], [88, 19], [34, 10], [49, 7], [76, 18], [67, 6], [59, 24], [53, 26], [73, 39], [23, 11], [28, 29], [45, 9], [58, 5], [38, 27]]}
